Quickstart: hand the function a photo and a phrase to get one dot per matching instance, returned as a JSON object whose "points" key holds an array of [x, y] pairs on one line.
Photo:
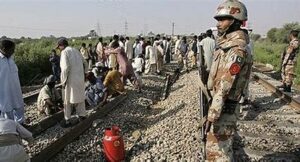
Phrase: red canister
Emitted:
{"points": [[113, 145]]}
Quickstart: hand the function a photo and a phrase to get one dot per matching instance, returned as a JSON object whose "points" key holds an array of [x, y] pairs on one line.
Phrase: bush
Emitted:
{"points": [[32, 56]]}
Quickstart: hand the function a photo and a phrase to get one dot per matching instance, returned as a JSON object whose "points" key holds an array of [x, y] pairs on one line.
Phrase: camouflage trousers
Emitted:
{"points": [[220, 138], [287, 74]]}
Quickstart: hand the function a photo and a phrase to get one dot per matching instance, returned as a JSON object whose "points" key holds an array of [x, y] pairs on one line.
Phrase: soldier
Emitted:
{"points": [[289, 59], [226, 80]]}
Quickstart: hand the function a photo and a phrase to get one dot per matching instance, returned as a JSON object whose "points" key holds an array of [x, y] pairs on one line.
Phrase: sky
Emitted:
{"points": [[36, 18]]}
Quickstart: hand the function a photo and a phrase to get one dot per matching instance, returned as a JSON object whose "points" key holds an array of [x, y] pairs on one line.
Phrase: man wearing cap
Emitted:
{"points": [[227, 78], [49, 101], [11, 99], [289, 59], [73, 68]]}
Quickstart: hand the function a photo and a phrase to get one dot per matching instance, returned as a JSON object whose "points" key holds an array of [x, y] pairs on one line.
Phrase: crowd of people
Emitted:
{"points": [[109, 66]]}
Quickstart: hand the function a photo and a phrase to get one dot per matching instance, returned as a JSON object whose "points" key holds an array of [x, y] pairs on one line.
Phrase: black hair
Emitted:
{"points": [[127, 38], [209, 32], [7, 44], [200, 37], [83, 44], [115, 37], [100, 39]]}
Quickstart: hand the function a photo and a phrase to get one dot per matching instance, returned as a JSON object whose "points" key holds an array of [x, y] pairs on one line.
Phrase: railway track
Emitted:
{"points": [[51, 138], [268, 129]]}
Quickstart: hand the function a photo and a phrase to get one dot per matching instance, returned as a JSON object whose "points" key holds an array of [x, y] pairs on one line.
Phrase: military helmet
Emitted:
{"points": [[232, 8]]}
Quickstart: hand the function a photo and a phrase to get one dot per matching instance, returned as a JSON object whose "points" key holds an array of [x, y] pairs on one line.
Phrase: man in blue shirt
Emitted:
{"points": [[11, 99], [55, 60]]}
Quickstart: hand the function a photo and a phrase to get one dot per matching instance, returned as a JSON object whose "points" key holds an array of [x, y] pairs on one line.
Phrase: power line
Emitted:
{"points": [[173, 26], [126, 28], [98, 29]]}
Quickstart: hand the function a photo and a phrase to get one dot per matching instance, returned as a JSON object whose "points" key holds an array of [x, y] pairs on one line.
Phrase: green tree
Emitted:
{"points": [[271, 34]]}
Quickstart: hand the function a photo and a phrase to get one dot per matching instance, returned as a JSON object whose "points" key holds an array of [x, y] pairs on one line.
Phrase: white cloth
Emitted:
{"points": [[99, 49], [138, 49], [112, 60], [96, 72], [160, 55], [121, 44], [164, 43], [138, 64], [80, 109], [10, 88], [73, 68], [151, 54], [47, 93], [208, 44], [84, 52], [198, 47], [16, 152], [129, 49], [177, 46]]}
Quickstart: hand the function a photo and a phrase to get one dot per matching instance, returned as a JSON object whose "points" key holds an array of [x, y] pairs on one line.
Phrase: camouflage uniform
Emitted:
{"points": [[289, 60], [227, 79]]}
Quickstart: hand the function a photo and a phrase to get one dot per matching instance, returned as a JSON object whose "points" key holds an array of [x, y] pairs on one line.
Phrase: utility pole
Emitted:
{"points": [[126, 28], [145, 29], [98, 29], [173, 26]]}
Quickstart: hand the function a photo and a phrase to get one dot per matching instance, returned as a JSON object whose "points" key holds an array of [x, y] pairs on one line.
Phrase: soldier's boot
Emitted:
{"points": [[288, 88]]}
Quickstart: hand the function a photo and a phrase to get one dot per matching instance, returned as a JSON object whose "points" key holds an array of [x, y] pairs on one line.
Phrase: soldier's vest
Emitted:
{"points": [[221, 61], [289, 59]]}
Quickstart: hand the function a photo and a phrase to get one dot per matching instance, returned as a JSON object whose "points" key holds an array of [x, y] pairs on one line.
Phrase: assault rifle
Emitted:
{"points": [[204, 98]]}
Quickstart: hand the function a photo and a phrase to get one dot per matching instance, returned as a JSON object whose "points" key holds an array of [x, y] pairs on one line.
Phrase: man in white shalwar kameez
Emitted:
{"points": [[159, 55], [177, 46], [151, 59], [129, 49], [73, 68], [11, 100]]}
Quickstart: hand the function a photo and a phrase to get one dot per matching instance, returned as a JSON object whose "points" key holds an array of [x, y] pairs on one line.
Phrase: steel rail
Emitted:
{"points": [[55, 147], [282, 95]]}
